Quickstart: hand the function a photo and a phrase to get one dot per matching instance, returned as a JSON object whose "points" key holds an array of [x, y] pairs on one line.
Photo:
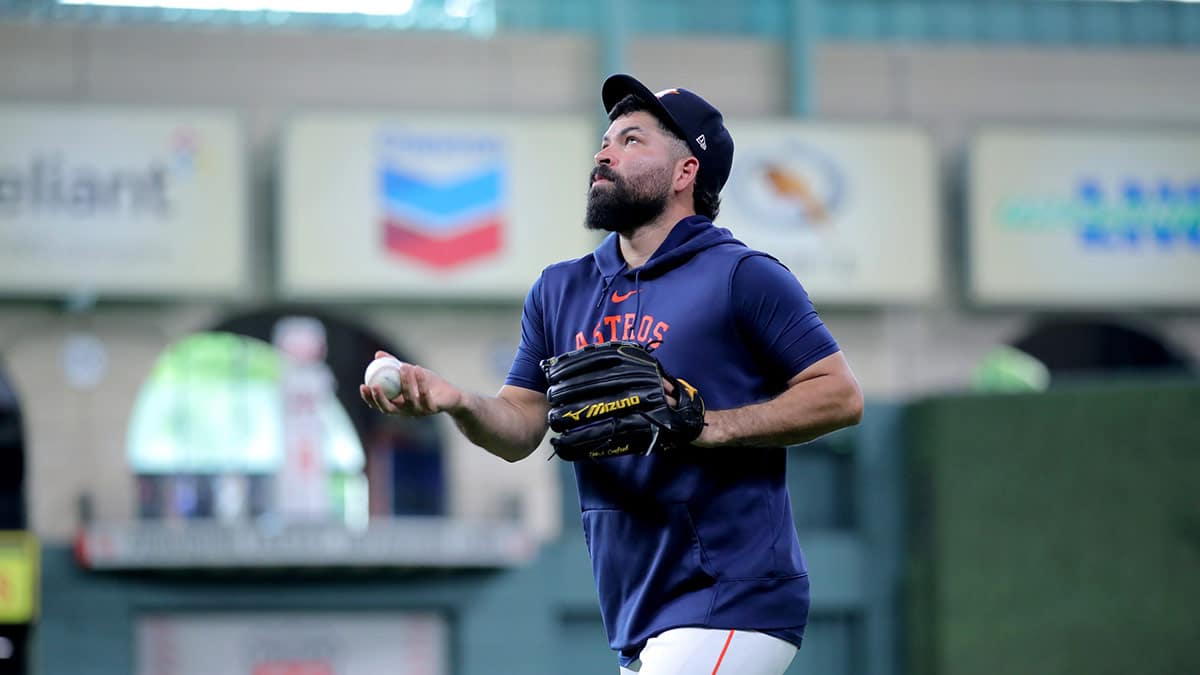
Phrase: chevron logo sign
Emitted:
{"points": [[443, 198]]}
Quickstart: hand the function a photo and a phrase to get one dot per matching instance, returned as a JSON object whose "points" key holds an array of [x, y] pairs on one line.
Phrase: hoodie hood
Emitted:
{"points": [[689, 236]]}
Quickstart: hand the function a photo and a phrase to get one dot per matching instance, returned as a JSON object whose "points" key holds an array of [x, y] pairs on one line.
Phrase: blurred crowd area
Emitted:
{"points": [[212, 215]]}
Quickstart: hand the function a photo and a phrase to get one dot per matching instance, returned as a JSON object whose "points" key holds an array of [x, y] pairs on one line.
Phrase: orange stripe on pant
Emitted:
{"points": [[721, 658]]}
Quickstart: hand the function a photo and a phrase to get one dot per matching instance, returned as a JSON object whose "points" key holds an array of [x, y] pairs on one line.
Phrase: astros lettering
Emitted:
{"points": [[626, 326]]}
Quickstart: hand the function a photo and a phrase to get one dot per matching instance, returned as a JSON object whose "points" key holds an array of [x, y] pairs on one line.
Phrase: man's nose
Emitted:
{"points": [[603, 157]]}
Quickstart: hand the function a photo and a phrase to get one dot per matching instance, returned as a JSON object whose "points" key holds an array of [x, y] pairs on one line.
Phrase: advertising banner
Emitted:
{"points": [[125, 202], [430, 206], [1087, 218], [20, 572], [292, 643], [850, 209]]}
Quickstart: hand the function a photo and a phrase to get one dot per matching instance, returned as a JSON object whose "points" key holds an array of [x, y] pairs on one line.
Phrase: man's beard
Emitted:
{"points": [[624, 207]]}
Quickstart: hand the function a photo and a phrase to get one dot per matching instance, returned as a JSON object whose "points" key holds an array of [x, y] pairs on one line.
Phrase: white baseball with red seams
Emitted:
{"points": [[384, 372]]}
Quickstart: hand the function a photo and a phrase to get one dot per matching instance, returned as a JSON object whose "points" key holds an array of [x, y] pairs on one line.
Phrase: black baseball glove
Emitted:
{"points": [[608, 400]]}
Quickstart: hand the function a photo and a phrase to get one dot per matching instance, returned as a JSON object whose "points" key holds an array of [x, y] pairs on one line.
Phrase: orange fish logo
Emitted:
{"points": [[793, 187]]}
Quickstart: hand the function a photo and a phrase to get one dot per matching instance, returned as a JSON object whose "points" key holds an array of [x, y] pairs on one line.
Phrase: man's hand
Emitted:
{"points": [[422, 392]]}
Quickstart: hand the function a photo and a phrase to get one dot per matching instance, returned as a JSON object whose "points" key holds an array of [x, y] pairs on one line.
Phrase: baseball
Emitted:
{"points": [[385, 373]]}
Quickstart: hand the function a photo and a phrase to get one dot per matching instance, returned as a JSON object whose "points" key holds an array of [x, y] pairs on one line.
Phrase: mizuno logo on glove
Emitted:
{"points": [[604, 407]]}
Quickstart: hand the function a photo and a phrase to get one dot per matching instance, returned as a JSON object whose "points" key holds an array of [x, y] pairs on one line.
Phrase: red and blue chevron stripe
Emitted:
{"points": [[443, 222]]}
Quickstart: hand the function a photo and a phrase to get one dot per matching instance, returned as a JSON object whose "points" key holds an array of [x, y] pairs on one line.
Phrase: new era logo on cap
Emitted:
{"points": [[695, 120]]}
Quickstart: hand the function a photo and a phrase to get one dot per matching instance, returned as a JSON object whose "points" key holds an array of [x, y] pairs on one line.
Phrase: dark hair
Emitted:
{"points": [[705, 202]]}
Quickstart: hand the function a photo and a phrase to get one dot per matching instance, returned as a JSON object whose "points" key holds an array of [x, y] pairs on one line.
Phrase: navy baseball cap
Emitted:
{"points": [[695, 120]]}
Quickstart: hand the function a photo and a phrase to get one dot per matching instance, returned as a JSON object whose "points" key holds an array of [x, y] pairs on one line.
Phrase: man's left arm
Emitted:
{"points": [[778, 321], [824, 397]]}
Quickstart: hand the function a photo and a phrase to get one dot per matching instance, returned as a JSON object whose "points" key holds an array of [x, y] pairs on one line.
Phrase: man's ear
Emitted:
{"points": [[685, 173]]}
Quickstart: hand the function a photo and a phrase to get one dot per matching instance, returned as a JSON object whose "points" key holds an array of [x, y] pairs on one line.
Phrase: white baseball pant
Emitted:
{"points": [[709, 651]]}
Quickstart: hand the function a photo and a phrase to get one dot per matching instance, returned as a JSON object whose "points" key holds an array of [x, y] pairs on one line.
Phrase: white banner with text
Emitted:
{"points": [[1088, 217], [121, 201]]}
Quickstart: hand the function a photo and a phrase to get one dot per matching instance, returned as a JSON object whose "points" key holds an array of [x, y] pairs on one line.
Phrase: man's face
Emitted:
{"points": [[633, 176]]}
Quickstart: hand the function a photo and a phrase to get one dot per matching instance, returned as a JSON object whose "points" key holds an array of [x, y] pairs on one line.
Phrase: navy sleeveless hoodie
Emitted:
{"points": [[700, 538]]}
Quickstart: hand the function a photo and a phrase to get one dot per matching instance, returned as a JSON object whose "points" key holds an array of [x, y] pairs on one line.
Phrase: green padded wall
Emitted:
{"points": [[1056, 533]]}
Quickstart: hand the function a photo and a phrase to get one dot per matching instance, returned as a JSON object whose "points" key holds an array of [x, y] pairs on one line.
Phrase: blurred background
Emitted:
{"points": [[212, 213]]}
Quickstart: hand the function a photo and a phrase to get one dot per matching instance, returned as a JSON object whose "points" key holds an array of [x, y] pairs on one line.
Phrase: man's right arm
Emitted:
{"points": [[509, 425]]}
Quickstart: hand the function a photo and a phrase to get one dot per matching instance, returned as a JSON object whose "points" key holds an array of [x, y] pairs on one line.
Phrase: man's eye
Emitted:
{"points": [[630, 139]]}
